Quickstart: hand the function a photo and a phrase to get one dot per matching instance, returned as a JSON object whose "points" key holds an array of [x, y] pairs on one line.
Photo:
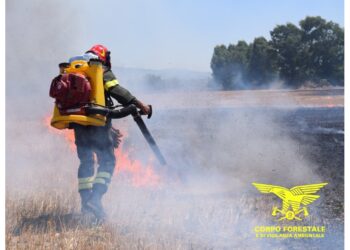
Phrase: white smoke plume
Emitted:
{"points": [[39, 35]]}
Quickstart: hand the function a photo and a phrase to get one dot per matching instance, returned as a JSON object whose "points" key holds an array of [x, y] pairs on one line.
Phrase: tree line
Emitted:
{"points": [[311, 52]]}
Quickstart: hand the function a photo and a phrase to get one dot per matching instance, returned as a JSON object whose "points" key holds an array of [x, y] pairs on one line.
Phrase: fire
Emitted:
{"points": [[68, 134], [330, 103], [137, 173]]}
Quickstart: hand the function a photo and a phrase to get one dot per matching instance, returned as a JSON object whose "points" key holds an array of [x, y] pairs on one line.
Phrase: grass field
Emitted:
{"points": [[208, 204]]}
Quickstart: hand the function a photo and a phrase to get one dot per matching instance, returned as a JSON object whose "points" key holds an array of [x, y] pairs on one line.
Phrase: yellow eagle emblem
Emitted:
{"points": [[294, 197]]}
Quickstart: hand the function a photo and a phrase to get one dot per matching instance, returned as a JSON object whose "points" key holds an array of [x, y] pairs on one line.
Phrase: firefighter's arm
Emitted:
{"points": [[124, 97]]}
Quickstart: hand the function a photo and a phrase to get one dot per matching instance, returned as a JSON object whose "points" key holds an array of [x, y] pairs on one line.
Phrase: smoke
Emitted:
{"points": [[217, 153], [215, 150], [163, 81], [39, 35]]}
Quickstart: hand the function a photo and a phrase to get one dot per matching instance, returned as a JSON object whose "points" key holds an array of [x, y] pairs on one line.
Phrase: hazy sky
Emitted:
{"points": [[159, 34]]}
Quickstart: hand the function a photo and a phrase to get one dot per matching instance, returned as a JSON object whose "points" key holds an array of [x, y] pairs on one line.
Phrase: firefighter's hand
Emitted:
{"points": [[146, 109]]}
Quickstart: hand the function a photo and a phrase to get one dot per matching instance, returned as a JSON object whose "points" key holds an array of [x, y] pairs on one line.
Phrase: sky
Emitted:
{"points": [[182, 34]]}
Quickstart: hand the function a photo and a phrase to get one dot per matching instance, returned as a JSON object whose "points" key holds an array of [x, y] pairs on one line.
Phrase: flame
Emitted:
{"points": [[139, 174], [330, 103], [135, 172], [68, 134]]}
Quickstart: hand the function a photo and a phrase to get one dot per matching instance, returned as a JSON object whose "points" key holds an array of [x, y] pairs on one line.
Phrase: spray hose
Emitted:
{"points": [[123, 112], [115, 113], [110, 113]]}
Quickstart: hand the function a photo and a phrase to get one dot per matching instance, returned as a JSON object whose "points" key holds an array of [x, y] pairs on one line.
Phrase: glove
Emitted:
{"points": [[145, 109]]}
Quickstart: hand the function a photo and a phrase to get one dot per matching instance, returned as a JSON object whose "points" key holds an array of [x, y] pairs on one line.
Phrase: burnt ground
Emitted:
{"points": [[319, 133]]}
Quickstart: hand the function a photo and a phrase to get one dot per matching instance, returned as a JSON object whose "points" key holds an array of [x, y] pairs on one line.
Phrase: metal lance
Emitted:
{"points": [[149, 138]]}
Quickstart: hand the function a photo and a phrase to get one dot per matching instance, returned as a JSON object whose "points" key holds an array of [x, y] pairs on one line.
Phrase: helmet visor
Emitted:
{"points": [[86, 57]]}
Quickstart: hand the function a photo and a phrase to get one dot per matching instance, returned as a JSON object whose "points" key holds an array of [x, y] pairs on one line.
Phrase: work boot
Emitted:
{"points": [[95, 205], [85, 195]]}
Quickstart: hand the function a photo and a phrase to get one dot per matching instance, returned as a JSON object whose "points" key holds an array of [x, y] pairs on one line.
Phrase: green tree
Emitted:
{"points": [[220, 66], [239, 57], [262, 63], [313, 52], [286, 42], [229, 64], [323, 50]]}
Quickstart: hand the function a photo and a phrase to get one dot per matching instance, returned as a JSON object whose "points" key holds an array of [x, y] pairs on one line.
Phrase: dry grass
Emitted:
{"points": [[46, 221], [51, 220]]}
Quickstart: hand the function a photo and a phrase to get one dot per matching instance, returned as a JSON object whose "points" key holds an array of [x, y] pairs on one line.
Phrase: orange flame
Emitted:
{"points": [[137, 173], [68, 134]]}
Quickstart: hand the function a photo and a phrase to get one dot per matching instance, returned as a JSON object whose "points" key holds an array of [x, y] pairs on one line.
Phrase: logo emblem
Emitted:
{"points": [[103, 53], [297, 198]]}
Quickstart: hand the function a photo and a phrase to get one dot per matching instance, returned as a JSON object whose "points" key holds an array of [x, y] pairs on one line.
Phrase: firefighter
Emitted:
{"points": [[100, 141]]}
